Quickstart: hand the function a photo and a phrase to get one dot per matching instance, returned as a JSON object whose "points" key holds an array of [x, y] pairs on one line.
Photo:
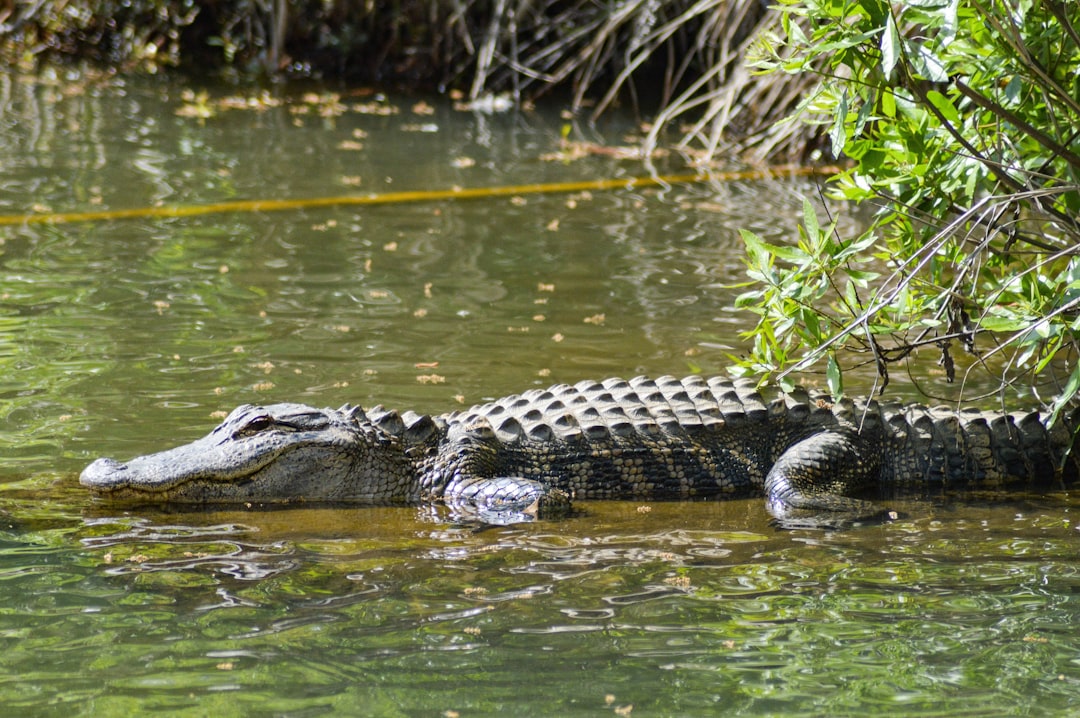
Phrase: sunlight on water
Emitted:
{"points": [[123, 337]]}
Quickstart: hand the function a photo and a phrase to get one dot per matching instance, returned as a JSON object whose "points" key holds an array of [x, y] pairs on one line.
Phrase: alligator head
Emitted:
{"points": [[267, 454]]}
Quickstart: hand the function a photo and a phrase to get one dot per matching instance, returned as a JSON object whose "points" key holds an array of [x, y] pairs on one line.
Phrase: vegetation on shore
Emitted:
{"points": [[961, 120], [680, 62]]}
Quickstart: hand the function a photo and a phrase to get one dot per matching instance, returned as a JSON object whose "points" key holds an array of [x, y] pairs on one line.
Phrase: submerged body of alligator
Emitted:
{"points": [[666, 438]]}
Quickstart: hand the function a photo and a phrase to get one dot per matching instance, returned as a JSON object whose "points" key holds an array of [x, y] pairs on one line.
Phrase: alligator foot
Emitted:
{"points": [[807, 486], [505, 500]]}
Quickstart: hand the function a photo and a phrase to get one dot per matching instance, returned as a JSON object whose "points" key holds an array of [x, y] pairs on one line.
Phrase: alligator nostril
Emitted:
{"points": [[100, 471]]}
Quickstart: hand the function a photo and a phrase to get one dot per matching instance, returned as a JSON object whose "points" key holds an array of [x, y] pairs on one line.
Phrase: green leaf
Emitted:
{"points": [[1002, 324], [810, 220], [794, 32], [748, 300], [838, 132], [888, 103], [949, 24], [813, 325], [861, 119], [1048, 354], [890, 47], [1012, 90], [862, 278], [928, 65], [757, 253], [834, 377], [945, 106], [971, 182], [1071, 387], [787, 253]]}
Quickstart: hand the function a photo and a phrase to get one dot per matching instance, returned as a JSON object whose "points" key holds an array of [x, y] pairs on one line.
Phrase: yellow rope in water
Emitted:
{"points": [[278, 205]]}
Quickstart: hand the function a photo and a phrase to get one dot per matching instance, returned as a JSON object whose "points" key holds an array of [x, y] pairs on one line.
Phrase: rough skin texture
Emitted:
{"points": [[531, 454]]}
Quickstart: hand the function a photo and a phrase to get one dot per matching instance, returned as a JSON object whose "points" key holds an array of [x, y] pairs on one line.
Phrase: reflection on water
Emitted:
{"points": [[119, 338], [672, 607]]}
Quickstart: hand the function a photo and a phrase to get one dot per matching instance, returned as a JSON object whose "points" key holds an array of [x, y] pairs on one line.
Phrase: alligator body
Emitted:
{"points": [[528, 454]]}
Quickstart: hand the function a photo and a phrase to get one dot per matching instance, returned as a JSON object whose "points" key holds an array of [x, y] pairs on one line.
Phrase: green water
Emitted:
{"points": [[124, 337]]}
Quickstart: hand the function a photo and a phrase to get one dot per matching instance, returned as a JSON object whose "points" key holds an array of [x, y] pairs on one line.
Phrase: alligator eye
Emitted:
{"points": [[257, 425]]}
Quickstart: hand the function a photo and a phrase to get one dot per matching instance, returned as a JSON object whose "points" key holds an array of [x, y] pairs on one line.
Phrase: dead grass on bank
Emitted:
{"points": [[687, 59]]}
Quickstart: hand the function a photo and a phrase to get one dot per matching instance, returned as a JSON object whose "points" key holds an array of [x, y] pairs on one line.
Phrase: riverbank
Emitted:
{"points": [[680, 65]]}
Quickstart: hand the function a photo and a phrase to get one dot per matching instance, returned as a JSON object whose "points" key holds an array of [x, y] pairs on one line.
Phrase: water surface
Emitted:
{"points": [[129, 336]]}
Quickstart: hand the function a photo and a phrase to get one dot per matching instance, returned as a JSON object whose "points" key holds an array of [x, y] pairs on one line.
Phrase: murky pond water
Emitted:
{"points": [[120, 337]]}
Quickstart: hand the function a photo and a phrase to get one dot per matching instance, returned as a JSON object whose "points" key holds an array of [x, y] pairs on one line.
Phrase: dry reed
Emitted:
{"points": [[679, 63]]}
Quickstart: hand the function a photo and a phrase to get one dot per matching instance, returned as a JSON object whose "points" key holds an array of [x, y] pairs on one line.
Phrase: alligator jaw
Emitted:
{"points": [[107, 478], [166, 476]]}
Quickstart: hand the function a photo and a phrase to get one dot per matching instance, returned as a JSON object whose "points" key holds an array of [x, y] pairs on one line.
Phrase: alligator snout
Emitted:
{"points": [[102, 473]]}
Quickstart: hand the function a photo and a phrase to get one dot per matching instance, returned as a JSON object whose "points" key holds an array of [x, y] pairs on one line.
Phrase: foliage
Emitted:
{"points": [[960, 119], [123, 34]]}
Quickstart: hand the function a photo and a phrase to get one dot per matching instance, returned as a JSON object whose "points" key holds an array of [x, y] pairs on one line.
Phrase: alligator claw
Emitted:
{"points": [[507, 500]]}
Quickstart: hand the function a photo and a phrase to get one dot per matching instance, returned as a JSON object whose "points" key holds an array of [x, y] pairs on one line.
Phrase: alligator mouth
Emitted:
{"points": [[157, 481]]}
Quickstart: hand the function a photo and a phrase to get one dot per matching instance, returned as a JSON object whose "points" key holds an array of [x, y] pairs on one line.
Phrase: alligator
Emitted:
{"points": [[529, 455]]}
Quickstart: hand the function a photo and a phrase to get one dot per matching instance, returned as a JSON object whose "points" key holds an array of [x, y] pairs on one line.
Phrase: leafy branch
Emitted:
{"points": [[960, 122]]}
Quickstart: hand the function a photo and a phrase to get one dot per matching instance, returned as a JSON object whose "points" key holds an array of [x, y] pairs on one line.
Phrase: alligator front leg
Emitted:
{"points": [[809, 485], [504, 500]]}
